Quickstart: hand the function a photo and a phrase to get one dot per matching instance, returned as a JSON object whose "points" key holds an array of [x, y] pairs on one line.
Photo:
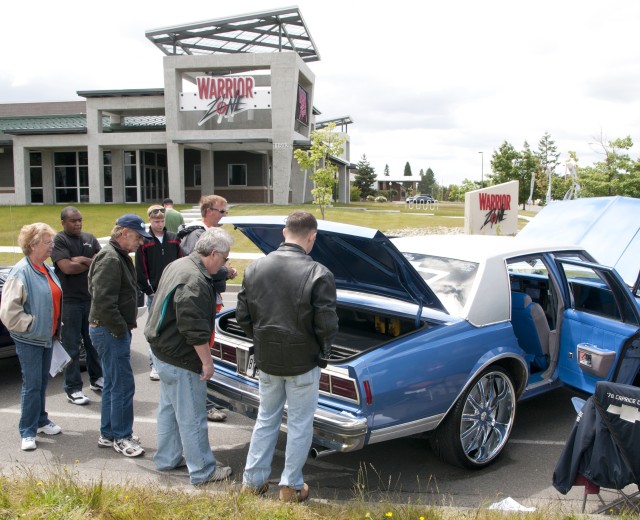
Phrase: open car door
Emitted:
{"points": [[599, 305]]}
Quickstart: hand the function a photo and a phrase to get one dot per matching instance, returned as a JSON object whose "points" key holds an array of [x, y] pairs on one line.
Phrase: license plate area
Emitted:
{"points": [[247, 364]]}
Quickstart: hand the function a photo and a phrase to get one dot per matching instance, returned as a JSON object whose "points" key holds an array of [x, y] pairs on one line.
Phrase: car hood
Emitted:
{"points": [[361, 259], [607, 227]]}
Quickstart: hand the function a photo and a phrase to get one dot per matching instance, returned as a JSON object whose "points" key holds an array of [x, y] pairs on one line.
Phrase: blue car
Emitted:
{"points": [[445, 334]]}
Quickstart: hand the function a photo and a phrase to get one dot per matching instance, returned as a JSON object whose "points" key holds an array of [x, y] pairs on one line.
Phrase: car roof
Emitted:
{"points": [[490, 297], [476, 248]]}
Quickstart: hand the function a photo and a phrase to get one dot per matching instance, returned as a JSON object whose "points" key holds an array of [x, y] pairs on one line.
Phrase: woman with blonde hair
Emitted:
{"points": [[30, 310]]}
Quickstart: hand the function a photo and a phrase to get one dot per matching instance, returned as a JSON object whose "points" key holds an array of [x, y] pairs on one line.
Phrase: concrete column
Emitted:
{"points": [[117, 175], [22, 181], [96, 173], [175, 164], [284, 89], [48, 177], [206, 172]]}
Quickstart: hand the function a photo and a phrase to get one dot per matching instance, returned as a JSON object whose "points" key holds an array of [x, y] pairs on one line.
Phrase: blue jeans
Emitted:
{"points": [[35, 362], [301, 395], [182, 422], [119, 385], [75, 326]]}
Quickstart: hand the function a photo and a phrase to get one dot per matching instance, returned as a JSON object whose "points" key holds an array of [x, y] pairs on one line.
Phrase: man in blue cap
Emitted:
{"points": [[113, 288]]}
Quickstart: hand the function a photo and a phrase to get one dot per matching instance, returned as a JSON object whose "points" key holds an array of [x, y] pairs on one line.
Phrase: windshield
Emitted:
{"points": [[450, 279]]}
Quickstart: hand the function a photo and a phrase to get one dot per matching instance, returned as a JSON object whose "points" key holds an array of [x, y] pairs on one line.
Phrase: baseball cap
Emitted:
{"points": [[134, 222]]}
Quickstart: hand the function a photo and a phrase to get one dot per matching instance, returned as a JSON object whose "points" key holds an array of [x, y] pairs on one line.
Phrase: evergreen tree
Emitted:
{"points": [[365, 178], [386, 170], [547, 156], [407, 170]]}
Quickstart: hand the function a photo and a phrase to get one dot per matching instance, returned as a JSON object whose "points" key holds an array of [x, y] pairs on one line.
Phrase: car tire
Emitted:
{"points": [[477, 428]]}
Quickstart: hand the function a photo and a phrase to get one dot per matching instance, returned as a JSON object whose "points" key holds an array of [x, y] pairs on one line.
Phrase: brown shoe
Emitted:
{"points": [[216, 415], [288, 494], [255, 490]]}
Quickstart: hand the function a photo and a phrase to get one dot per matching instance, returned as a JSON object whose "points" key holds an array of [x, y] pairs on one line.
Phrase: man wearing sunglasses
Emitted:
{"points": [[212, 209]]}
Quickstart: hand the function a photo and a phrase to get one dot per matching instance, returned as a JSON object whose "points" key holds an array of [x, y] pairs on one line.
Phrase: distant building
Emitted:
{"points": [[398, 183], [237, 100]]}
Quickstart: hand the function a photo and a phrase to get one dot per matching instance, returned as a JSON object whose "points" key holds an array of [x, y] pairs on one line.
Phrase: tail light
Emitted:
{"points": [[338, 386], [229, 354]]}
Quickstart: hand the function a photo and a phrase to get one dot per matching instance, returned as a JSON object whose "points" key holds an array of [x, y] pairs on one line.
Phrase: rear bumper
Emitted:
{"points": [[336, 431]]}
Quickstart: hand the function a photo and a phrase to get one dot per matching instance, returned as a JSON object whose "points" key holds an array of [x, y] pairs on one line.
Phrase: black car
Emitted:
{"points": [[420, 199], [7, 348]]}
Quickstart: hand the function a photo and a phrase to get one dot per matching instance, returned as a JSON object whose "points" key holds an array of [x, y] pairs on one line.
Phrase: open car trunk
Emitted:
{"points": [[359, 330]]}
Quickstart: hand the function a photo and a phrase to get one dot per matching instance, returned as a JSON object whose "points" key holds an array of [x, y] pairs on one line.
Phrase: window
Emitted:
{"points": [[71, 176], [107, 176], [197, 177], [130, 176], [35, 171], [237, 175]]}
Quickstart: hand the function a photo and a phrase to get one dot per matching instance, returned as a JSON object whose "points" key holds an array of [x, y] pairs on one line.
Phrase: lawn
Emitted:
{"points": [[99, 219]]}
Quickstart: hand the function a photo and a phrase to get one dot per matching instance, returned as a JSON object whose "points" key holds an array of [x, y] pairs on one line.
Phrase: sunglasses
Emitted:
{"points": [[156, 212], [221, 211]]}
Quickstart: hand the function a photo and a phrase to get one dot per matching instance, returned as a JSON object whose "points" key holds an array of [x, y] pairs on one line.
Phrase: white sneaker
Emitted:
{"points": [[77, 398], [97, 385], [153, 375], [50, 429], [28, 444]]}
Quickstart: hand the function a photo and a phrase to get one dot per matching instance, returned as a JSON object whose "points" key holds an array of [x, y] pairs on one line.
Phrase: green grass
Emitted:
{"points": [[100, 219], [57, 492]]}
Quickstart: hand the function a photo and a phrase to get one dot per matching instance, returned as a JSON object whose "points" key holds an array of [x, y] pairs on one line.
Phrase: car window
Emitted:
{"points": [[530, 275], [449, 278], [591, 292]]}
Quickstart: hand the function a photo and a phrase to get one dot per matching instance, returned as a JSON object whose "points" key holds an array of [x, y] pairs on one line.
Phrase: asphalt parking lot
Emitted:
{"points": [[401, 471]]}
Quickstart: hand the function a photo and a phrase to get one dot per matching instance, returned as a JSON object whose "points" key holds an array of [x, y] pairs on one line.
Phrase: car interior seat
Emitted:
{"points": [[531, 327]]}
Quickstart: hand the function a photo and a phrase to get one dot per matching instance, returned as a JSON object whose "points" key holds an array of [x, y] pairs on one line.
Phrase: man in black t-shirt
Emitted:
{"points": [[72, 255]]}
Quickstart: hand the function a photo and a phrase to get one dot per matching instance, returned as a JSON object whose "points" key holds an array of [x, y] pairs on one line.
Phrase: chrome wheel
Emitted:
{"points": [[487, 417]]}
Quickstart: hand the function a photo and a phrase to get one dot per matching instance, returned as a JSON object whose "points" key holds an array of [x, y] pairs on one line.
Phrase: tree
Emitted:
{"points": [[365, 177], [504, 164], [547, 156], [407, 170], [324, 144], [614, 175], [531, 175], [386, 170], [507, 164]]}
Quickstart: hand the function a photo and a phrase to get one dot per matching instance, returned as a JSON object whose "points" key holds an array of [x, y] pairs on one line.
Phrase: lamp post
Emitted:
{"points": [[481, 170]]}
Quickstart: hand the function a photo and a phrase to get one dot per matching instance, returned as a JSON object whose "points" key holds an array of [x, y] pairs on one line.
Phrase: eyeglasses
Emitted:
{"points": [[221, 211], [226, 258], [157, 211]]}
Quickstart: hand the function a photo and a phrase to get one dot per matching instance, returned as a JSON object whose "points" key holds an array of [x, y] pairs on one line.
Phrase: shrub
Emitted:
{"points": [[380, 198]]}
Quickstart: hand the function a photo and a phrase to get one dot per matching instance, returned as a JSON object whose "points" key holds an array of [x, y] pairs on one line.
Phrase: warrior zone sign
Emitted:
{"points": [[224, 97]]}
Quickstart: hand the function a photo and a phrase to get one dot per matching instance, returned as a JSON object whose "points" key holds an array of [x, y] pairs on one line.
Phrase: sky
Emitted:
{"points": [[432, 83]]}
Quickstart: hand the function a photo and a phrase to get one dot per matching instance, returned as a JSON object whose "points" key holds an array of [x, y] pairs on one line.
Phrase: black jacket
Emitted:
{"points": [[287, 304], [152, 257], [603, 445]]}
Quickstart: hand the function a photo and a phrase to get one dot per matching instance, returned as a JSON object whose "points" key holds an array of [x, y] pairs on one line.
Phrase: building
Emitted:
{"points": [[237, 100]]}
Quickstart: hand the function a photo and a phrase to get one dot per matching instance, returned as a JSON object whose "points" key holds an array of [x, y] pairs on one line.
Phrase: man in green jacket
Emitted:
{"points": [[180, 329], [114, 309]]}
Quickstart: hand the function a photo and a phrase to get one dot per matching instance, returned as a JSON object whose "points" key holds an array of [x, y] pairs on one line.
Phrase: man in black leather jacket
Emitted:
{"points": [[288, 306]]}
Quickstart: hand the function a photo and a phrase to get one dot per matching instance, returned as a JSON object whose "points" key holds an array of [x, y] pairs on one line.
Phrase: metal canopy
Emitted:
{"points": [[268, 31]]}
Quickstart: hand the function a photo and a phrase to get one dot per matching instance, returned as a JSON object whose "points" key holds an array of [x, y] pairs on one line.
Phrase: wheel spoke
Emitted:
{"points": [[487, 417]]}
